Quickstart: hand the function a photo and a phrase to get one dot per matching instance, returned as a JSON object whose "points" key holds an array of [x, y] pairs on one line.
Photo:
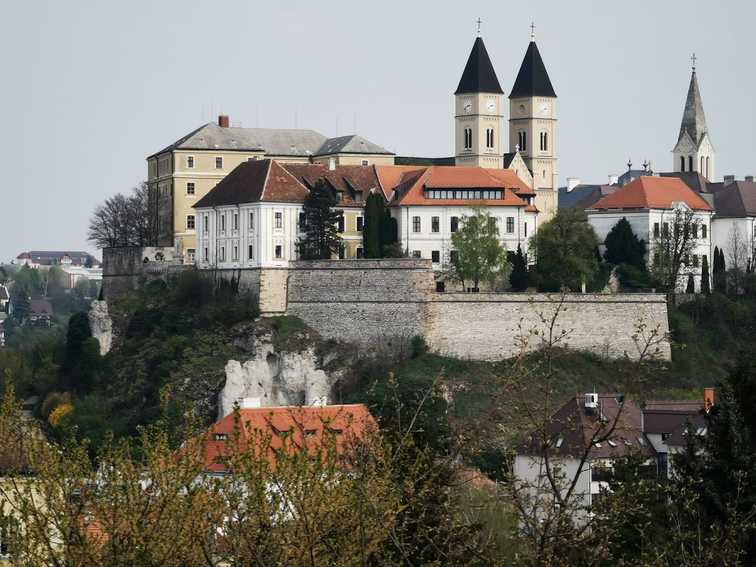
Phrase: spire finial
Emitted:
{"points": [[479, 21], [629, 164], [532, 31], [693, 60]]}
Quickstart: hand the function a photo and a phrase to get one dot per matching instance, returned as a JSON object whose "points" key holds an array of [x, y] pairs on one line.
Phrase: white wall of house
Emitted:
{"points": [[723, 236], [249, 235], [531, 472], [645, 221], [515, 227]]}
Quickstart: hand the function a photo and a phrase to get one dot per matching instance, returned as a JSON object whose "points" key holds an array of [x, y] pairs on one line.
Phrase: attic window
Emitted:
{"points": [[311, 432], [559, 442], [597, 445], [280, 432], [701, 431], [628, 443], [220, 437], [641, 442], [335, 431], [611, 443]]}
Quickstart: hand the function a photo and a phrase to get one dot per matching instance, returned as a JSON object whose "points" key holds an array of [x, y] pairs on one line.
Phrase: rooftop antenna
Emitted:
{"points": [[532, 31], [693, 60], [479, 21]]}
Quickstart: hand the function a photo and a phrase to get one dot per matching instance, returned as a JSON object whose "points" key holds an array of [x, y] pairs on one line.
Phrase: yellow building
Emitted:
{"points": [[184, 172]]}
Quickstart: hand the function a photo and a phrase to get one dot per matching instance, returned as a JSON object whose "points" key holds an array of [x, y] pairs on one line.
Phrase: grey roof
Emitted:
{"points": [[479, 75], [692, 179], [632, 174], [532, 79], [583, 196], [273, 141], [424, 161], [737, 199], [508, 157], [351, 144], [694, 119]]}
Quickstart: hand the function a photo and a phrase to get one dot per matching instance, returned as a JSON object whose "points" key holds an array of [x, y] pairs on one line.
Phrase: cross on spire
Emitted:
{"points": [[693, 59], [479, 21], [532, 31]]}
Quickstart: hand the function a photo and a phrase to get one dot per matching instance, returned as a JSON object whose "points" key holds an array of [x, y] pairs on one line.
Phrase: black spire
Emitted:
{"points": [[532, 80], [479, 75]]}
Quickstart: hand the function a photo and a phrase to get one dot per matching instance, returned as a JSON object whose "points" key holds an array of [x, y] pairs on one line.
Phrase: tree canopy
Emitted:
{"points": [[320, 234], [624, 247], [123, 220], [480, 254], [565, 252], [518, 279]]}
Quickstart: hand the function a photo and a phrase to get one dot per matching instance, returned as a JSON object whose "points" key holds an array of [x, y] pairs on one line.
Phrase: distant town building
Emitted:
{"points": [[39, 258]]}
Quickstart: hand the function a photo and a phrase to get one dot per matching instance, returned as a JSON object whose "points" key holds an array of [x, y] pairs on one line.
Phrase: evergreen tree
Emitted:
{"points": [[20, 304], [691, 287], [321, 234], [480, 255], [373, 230], [705, 283], [623, 247], [719, 272], [82, 354], [518, 279]]}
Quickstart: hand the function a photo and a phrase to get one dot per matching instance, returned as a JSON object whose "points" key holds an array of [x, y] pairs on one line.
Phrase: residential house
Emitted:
{"points": [[39, 258], [649, 204]]}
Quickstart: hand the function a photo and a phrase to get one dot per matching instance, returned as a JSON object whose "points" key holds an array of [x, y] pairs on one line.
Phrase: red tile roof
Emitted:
{"points": [[648, 192], [293, 427], [360, 179], [412, 183]]}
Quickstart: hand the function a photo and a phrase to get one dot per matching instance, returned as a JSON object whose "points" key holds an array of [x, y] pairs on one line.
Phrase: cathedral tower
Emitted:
{"points": [[533, 128], [478, 112], [694, 151]]}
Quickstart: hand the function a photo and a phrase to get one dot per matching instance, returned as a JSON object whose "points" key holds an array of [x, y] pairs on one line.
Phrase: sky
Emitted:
{"points": [[89, 88]]}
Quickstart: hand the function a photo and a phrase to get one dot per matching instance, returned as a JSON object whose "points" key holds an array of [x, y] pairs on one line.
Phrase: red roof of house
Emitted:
{"points": [[648, 192], [292, 427], [411, 184]]}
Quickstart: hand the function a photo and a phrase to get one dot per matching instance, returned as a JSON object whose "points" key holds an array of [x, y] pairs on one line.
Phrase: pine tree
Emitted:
{"points": [[518, 279], [623, 247], [691, 287], [705, 283], [321, 234], [719, 271]]}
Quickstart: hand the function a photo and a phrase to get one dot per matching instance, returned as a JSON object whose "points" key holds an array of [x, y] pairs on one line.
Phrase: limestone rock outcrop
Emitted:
{"points": [[101, 325], [269, 378]]}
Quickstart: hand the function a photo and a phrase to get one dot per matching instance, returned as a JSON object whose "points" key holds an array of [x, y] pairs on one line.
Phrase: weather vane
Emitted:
{"points": [[532, 31], [693, 59], [479, 21]]}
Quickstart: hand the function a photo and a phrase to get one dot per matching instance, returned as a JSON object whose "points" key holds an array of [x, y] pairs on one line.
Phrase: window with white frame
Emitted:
{"points": [[278, 220], [415, 224], [219, 162], [206, 254], [510, 225], [235, 254], [236, 221], [251, 220], [703, 231], [416, 254], [190, 188], [189, 222], [205, 223], [454, 224], [250, 252], [222, 254], [279, 251], [360, 223], [190, 162], [435, 224], [365, 162], [190, 255], [222, 223], [435, 256]]}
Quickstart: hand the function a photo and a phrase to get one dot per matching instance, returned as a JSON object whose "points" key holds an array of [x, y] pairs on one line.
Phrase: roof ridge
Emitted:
{"points": [[267, 176]]}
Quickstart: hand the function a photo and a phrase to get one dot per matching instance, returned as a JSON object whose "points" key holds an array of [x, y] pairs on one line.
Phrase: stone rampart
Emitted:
{"points": [[130, 267], [374, 302], [499, 325]]}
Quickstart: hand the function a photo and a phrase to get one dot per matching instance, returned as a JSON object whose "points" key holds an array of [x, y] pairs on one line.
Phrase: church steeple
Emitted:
{"points": [[532, 80], [694, 119], [479, 75], [478, 112], [694, 151]]}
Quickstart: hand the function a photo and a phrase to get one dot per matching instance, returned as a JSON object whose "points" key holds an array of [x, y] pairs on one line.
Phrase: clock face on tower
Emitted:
{"points": [[545, 108], [491, 106], [467, 106]]}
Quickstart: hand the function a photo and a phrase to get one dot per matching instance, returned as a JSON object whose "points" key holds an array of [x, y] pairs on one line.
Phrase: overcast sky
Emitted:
{"points": [[90, 88]]}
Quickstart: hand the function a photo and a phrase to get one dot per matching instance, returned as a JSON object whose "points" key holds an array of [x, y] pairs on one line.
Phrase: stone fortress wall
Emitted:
{"points": [[378, 303], [371, 302]]}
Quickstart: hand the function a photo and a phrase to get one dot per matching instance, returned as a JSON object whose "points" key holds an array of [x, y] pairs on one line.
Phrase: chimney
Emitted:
{"points": [[749, 178], [708, 399], [729, 179], [613, 179], [223, 120], [332, 163], [572, 182]]}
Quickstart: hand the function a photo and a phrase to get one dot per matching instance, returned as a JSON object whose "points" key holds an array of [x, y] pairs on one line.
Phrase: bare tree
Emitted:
{"points": [[123, 220], [737, 257], [673, 246]]}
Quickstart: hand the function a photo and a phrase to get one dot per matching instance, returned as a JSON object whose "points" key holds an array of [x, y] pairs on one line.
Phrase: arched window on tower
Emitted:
{"points": [[544, 141], [690, 163], [682, 163], [468, 138], [701, 169], [707, 167], [523, 141]]}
